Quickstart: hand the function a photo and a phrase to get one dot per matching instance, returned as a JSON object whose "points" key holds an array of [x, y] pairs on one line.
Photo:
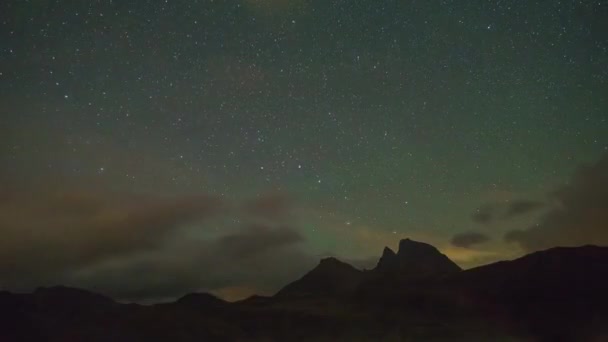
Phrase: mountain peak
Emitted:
{"points": [[387, 252], [414, 259], [200, 300], [330, 261], [387, 260], [409, 246], [332, 264], [331, 277]]}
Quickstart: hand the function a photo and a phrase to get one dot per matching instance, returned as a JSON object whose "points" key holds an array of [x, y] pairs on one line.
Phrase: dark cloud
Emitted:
{"points": [[491, 212], [143, 247], [484, 214], [579, 216], [270, 206], [263, 262], [468, 239], [522, 207], [71, 230], [257, 239]]}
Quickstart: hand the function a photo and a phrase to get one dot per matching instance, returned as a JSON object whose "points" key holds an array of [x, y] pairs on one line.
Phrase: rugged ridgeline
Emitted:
{"points": [[414, 261], [414, 294]]}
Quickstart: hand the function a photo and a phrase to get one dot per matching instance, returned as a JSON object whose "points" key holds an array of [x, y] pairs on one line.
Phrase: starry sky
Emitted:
{"points": [[227, 145]]}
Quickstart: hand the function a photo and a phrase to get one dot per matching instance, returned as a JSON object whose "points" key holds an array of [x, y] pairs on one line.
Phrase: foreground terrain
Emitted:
{"points": [[414, 294]]}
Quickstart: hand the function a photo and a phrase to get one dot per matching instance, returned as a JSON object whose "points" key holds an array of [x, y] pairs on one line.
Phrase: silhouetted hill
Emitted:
{"points": [[200, 302], [331, 277], [70, 298], [413, 263], [557, 293], [255, 300], [198, 299], [415, 260], [416, 294]]}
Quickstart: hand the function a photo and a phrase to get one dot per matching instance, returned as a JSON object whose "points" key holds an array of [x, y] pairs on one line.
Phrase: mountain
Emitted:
{"points": [[558, 293], [577, 270], [415, 260], [71, 298], [415, 294], [255, 300], [200, 301], [387, 261], [54, 313], [414, 263], [331, 277]]}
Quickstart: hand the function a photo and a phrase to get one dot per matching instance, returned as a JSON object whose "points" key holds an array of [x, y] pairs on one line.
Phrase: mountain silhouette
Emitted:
{"points": [[414, 260], [201, 301], [331, 277], [556, 293], [69, 297], [414, 294]]}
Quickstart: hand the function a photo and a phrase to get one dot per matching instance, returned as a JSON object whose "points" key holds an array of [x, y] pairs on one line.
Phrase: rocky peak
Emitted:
{"points": [[387, 260], [388, 253], [415, 258], [410, 248]]}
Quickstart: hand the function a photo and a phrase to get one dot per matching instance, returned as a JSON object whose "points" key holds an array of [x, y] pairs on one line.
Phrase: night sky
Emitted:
{"points": [[152, 148]]}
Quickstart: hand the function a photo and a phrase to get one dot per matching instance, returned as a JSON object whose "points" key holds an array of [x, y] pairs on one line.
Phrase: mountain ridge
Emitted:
{"points": [[552, 295]]}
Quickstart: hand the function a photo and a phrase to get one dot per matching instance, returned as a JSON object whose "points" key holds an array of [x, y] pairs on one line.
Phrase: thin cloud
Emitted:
{"points": [[484, 214], [262, 262], [469, 239], [499, 211], [145, 247], [257, 239], [522, 207], [275, 206], [579, 217], [71, 230]]}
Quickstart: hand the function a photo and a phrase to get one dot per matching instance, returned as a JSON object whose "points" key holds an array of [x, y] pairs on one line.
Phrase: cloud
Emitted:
{"points": [[273, 206], [255, 258], [484, 214], [578, 217], [145, 248], [257, 239], [73, 229], [468, 239], [522, 207], [508, 209], [468, 257]]}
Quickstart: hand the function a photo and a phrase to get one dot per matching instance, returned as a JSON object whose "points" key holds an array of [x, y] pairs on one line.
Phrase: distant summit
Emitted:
{"points": [[415, 259], [574, 270], [200, 301], [388, 260], [331, 277], [69, 298]]}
